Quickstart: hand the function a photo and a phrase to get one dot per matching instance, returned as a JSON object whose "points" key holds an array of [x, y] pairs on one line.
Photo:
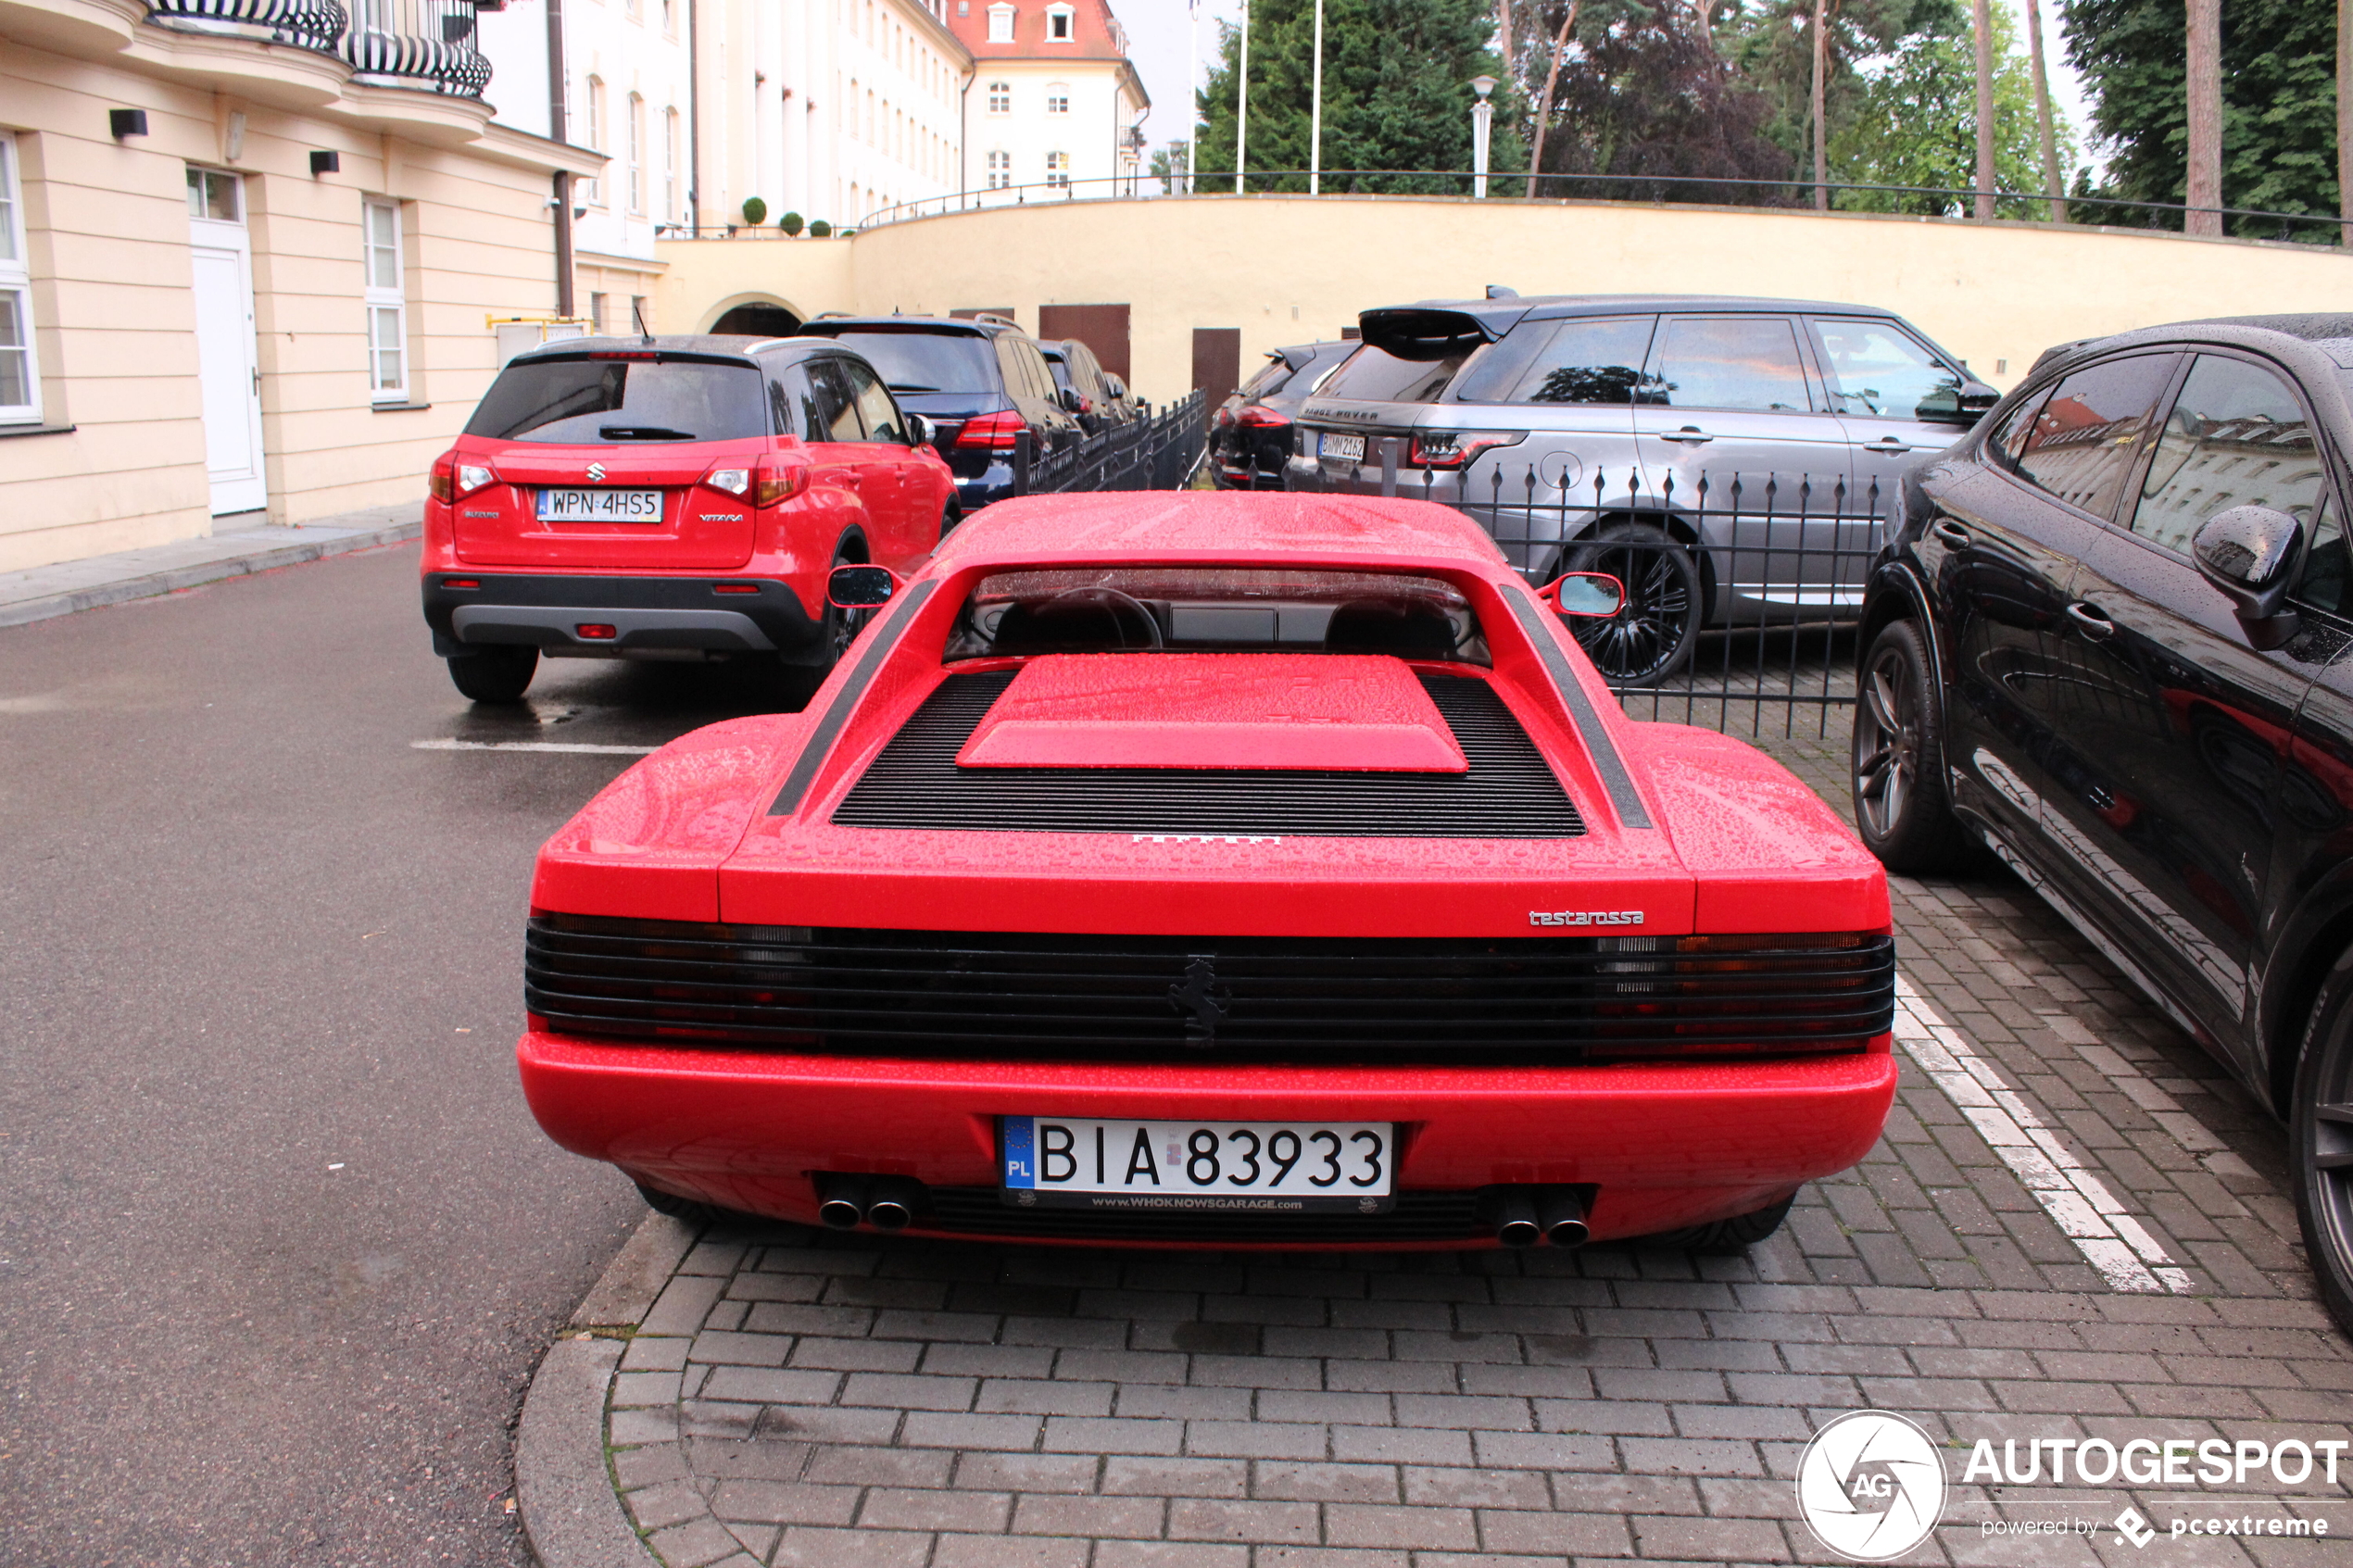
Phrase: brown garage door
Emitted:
{"points": [[1218, 361], [1103, 328]]}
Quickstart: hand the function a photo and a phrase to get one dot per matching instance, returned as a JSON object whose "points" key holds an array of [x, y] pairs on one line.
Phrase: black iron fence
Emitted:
{"points": [[1158, 451], [1743, 590]]}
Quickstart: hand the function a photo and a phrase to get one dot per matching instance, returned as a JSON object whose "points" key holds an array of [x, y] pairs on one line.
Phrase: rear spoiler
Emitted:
{"points": [[1423, 333]]}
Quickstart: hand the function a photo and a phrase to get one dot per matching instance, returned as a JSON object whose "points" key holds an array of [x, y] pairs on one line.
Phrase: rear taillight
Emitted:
{"points": [[999, 432], [734, 481], [781, 482], [1256, 418], [1451, 449], [451, 479]]}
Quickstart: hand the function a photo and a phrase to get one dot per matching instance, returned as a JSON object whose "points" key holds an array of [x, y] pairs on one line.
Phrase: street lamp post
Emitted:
{"points": [[1482, 121]]}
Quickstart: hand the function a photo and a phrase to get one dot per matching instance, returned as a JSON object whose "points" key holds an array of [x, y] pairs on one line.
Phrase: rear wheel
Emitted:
{"points": [[837, 634], [1900, 805], [499, 673], [1727, 1236], [2321, 1142], [1651, 637]]}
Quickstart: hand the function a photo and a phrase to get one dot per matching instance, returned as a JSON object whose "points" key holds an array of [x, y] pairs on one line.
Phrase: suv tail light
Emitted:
{"points": [[451, 479], [1451, 449], [732, 481], [998, 431], [778, 482]]}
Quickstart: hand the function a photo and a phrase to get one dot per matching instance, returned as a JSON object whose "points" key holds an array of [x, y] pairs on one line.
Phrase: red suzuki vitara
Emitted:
{"points": [[670, 498]]}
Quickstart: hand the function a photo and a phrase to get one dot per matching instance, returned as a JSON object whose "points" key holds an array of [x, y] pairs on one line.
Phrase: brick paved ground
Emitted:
{"points": [[850, 1401]]}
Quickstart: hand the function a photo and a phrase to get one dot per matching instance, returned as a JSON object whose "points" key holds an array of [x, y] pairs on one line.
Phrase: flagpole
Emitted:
{"points": [[1241, 103], [1315, 113]]}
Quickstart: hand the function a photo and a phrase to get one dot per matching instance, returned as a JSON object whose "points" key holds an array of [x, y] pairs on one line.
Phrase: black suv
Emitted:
{"points": [[1250, 436], [1104, 398], [2109, 639], [984, 384]]}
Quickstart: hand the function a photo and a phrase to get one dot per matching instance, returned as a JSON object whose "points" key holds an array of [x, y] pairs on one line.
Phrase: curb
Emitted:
{"points": [[564, 1493], [174, 579]]}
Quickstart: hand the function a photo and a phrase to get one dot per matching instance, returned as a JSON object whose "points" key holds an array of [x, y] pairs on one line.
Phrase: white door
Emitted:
{"points": [[227, 364]]}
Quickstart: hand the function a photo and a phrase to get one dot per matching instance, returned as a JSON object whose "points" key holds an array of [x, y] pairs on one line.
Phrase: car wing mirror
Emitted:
{"points": [[1583, 593], [2249, 554], [862, 587], [921, 432], [1069, 400]]}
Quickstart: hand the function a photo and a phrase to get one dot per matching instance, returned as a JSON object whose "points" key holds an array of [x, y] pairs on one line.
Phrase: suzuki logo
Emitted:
{"points": [[1205, 997], [596, 473]]}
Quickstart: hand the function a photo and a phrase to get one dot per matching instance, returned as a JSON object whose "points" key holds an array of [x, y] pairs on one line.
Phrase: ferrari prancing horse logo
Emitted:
{"points": [[1204, 997]]}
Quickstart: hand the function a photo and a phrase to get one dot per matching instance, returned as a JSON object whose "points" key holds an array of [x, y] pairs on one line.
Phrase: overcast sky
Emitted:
{"points": [[1160, 33]]}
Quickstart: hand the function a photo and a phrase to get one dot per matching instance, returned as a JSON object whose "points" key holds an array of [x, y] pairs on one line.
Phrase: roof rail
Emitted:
{"points": [[993, 316]]}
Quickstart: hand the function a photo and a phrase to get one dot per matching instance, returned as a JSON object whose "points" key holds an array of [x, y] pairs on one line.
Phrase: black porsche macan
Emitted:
{"points": [[2112, 639]]}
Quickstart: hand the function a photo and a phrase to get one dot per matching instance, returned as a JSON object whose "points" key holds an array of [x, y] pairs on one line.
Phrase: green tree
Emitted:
{"points": [[1770, 43], [1397, 96], [2279, 108], [1643, 93], [1912, 120]]}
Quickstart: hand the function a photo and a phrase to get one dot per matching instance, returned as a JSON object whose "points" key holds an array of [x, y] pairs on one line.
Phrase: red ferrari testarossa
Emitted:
{"points": [[1215, 870]]}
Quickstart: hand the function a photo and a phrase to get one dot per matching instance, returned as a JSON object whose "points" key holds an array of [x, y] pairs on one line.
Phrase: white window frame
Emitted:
{"points": [[1057, 171], [636, 108], [386, 303], [1001, 97], [15, 284], [1000, 165], [1058, 97], [670, 211], [1061, 24], [596, 137], [1000, 24]]}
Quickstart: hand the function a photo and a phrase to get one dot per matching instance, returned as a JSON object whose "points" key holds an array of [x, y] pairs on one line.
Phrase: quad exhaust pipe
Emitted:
{"points": [[1526, 1215], [887, 1203]]}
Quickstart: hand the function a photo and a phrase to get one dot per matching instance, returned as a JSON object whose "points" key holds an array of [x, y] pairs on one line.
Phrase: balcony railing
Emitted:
{"points": [[426, 44], [407, 42], [308, 24]]}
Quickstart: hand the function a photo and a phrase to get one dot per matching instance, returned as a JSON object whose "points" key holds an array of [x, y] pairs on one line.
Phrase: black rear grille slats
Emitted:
{"points": [[1509, 792], [1026, 996]]}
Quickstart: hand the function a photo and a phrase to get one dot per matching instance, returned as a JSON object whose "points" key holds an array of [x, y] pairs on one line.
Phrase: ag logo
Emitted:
{"points": [[596, 473], [1871, 1486]]}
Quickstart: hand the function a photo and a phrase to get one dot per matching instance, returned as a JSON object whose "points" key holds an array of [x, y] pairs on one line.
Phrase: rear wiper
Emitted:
{"points": [[642, 432], [911, 386]]}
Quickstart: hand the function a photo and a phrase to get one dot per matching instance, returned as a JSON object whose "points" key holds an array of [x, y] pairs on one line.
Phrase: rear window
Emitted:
{"points": [[1583, 360], [1270, 376], [927, 361], [1216, 609], [591, 401], [1373, 375]]}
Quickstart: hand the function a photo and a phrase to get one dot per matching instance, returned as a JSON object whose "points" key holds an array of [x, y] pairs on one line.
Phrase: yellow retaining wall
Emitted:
{"points": [[1293, 268]]}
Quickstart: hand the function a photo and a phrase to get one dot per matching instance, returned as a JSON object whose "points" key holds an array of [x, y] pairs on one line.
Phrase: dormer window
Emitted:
{"points": [[1000, 23], [1061, 24]]}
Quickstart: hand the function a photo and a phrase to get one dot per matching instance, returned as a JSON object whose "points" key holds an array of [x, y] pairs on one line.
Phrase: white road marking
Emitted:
{"points": [[2115, 1243], [532, 745]]}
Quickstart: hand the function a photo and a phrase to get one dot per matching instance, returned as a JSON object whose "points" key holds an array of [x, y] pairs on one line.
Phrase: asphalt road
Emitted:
{"points": [[281, 1243]]}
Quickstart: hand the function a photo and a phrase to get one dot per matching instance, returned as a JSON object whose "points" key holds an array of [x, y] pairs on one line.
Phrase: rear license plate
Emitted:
{"points": [[600, 506], [1349, 447], [1246, 1167]]}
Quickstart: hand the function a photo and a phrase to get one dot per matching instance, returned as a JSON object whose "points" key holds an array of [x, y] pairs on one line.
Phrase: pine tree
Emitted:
{"points": [[1397, 96]]}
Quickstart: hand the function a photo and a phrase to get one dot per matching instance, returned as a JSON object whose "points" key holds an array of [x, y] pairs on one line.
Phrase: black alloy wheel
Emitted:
{"points": [[1900, 802], [496, 673], [836, 632], [2321, 1142], [1651, 634]]}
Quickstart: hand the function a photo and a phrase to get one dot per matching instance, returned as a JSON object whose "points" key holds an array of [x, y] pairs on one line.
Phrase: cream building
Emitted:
{"points": [[1056, 106], [251, 252]]}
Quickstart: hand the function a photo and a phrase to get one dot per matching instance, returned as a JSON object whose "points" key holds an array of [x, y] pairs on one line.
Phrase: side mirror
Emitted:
{"points": [[921, 432], [2249, 554], [862, 587], [1114, 385], [1593, 593], [1963, 404], [1069, 400]]}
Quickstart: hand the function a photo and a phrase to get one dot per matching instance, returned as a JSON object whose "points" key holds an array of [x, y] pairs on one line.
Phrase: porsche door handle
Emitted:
{"points": [[2090, 622], [1689, 435], [1951, 532]]}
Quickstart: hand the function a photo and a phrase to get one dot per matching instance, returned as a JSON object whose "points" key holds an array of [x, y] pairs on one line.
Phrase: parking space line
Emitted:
{"points": [[532, 745], [2115, 1243]]}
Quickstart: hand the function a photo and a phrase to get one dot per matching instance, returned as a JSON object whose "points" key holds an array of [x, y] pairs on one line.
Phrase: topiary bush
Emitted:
{"points": [[821, 229], [755, 211], [789, 223]]}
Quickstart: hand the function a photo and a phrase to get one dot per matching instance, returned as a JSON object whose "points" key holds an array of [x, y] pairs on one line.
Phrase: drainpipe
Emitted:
{"points": [[694, 123], [964, 142], [557, 129]]}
